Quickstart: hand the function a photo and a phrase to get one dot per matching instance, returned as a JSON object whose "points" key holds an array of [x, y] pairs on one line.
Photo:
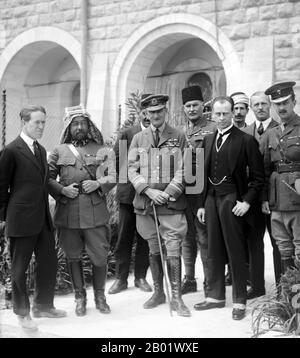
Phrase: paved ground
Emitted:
{"points": [[129, 319]]}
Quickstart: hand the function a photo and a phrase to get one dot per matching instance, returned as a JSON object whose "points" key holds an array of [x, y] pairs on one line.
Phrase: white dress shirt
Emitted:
{"points": [[29, 141], [224, 137]]}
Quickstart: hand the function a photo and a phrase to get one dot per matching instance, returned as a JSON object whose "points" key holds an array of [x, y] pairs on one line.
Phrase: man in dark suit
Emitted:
{"points": [[127, 219], [234, 176], [25, 210], [260, 105]]}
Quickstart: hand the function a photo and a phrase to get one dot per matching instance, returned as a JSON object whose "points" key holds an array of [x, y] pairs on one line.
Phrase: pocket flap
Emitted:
{"points": [[66, 160]]}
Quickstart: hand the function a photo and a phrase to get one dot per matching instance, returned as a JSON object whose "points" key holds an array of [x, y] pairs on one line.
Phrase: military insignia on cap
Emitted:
{"points": [[154, 102]]}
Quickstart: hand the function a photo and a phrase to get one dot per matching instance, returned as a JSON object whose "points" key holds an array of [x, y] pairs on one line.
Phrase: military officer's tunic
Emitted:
{"points": [[282, 167]]}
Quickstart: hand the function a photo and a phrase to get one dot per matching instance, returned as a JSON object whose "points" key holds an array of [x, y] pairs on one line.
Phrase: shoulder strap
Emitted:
{"points": [[78, 157]]}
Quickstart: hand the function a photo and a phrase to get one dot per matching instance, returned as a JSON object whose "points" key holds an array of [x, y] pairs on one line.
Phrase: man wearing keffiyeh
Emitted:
{"points": [[81, 215]]}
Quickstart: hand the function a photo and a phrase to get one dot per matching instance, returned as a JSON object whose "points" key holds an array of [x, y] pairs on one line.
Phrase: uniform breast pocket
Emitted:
{"points": [[293, 148], [67, 167], [90, 159], [274, 149]]}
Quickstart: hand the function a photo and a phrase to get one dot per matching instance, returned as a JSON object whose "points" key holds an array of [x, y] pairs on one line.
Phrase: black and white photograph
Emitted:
{"points": [[149, 172]]}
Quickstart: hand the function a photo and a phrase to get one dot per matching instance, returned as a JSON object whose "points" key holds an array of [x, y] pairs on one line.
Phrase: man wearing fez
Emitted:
{"points": [[81, 215], [233, 171], [127, 218], [160, 184], [24, 209], [241, 108], [198, 127], [281, 148], [260, 105]]}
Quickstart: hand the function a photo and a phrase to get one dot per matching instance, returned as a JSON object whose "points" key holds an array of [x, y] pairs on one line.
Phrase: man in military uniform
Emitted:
{"points": [[241, 109], [198, 127], [282, 167], [156, 172], [81, 215], [127, 219], [260, 105]]}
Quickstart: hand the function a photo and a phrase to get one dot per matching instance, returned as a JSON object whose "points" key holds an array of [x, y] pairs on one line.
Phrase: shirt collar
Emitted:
{"points": [[142, 126], [161, 128], [226, 129], [28, 140], [264, 123]]}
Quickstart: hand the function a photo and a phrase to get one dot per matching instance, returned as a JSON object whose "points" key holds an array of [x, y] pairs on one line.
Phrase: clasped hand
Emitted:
{"points": [[158, 197], [71, 191]]}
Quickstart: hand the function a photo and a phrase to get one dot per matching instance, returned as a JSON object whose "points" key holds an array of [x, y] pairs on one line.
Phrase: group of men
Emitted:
{"points": [[248, 171]]}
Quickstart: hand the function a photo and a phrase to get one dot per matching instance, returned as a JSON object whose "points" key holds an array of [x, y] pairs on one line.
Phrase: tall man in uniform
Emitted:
{"points": [[260, 105], [127, 219], [241, 109], [198, 127], [233, 171], [24, 209], [81, 215], [156, 172], [282, 167]]}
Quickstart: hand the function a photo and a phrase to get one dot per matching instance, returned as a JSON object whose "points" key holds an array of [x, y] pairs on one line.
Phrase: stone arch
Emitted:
{"points": [[137, 54], [40, 66]]}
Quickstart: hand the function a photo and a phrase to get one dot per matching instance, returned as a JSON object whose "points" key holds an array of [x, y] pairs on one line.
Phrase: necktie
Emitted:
{"points": [[156, 137], [260, 129], [37, 153], [220, 138]]}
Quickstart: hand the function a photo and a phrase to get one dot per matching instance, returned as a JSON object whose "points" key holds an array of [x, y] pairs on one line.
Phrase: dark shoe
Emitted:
{"points": [[142, 284], [206, 305], [49, 313], [254, 294], [188, 285], [156, 299], [238, 314], [100, 302], [27, 323], [174, 272], [118, 286], [158, 296]]}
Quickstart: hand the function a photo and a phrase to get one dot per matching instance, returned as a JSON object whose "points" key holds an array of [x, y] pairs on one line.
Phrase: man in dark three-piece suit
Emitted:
{"points": [[234, 177], [25, 210], [260, 105], [127, 218]]}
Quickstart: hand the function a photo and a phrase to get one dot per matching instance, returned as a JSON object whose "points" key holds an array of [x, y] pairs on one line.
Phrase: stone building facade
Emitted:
{"points": [[153, 46]]}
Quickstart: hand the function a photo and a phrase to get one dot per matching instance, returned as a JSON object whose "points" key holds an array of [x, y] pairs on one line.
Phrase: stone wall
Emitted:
{"points": [[112, 22]]}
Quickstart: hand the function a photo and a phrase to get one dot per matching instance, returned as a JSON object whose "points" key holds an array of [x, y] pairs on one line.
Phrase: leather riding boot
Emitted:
{"points": [[99, 279], [158, 296], [174, 271], [287, 263], [77, 278]]}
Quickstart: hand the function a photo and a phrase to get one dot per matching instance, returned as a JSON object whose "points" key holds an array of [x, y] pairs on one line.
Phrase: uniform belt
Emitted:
{"points": [[287, 168]]}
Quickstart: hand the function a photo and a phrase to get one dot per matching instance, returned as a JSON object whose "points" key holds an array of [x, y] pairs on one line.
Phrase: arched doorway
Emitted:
{"points": [[163, 55], [40, 72]]}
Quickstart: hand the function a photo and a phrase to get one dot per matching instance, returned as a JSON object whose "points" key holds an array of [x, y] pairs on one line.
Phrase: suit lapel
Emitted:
{"points": [[24, 150], [210, 140], [234, 145]]}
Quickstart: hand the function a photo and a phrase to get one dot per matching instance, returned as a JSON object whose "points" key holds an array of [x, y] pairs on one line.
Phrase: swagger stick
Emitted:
{"points": [[162, 258]]}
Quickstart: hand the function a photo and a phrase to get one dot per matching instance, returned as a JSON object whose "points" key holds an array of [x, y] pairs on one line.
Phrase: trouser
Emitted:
{"points": [[95, 241], [123, 248], [196, 235], [225, 238], [172, 229], [21, 250], [286, 231]]}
